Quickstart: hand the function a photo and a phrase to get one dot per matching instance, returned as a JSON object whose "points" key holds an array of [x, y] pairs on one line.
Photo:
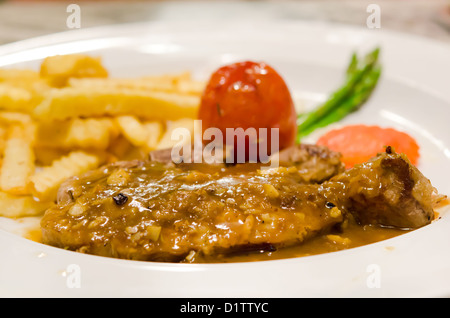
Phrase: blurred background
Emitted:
{"points": [[21, 19]]}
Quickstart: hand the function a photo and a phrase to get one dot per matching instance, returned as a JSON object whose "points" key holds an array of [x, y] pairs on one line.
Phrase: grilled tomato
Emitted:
{"points": [[251, 97]]}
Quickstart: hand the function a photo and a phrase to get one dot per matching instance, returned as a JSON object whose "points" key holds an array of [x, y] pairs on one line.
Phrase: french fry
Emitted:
{"points": [[155, 130], [29, 80], [9, 118], [21, 89], [142, 135], [169, 139], [45, 182], [162, 84], [16, 99], [3, 135], [16, 206], [18, 160], [89, 133], [191, 87], [133, 129], [177, 83], [59, 68], [17, 76], [23, 78], [70, 117], [168, 79], [75, 102]]}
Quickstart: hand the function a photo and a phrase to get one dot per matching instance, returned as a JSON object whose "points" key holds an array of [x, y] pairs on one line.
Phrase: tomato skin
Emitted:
{"points": [[249, 95]]}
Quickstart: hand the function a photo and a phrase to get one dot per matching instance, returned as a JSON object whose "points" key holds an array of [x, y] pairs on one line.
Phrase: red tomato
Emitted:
{"points": [[249, 95]]}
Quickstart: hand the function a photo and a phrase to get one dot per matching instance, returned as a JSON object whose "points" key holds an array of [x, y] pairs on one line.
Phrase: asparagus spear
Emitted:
{"points": [[361, 93], [350, 94], [353, 65]]}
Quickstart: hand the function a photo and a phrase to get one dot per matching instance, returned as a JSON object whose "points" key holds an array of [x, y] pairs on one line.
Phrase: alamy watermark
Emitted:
{"points": [[235, 145], [73, 276], [374, 278], [73, 21], [373, 21]]}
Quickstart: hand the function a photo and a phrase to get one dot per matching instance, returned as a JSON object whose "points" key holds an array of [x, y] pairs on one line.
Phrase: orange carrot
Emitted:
{"points": [[359, 143]]}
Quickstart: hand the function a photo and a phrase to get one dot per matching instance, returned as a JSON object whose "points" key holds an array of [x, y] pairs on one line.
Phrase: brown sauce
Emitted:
{"points": [[34, 235], [353, 236], [151, 211]]}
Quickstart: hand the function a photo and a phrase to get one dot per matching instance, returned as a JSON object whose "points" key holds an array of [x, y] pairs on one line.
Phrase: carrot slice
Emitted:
{"points": [[359, 143]]}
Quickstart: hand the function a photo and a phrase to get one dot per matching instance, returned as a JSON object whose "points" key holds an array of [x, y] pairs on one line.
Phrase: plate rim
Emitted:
{"points": [[67, 36]]}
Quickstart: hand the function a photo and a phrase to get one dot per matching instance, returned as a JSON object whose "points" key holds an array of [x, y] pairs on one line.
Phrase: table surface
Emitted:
{"points": [[21, 20]]}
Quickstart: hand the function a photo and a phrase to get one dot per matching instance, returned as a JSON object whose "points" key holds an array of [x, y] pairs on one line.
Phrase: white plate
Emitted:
{"points": [[413, 95]]}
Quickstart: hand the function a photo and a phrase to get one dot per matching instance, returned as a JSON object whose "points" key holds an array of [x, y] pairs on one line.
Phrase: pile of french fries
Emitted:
{"points": [[70, 116]]}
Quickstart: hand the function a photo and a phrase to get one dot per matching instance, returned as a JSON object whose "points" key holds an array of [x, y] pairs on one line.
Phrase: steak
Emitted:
{"points": [[386, 191], [159, 211]]}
